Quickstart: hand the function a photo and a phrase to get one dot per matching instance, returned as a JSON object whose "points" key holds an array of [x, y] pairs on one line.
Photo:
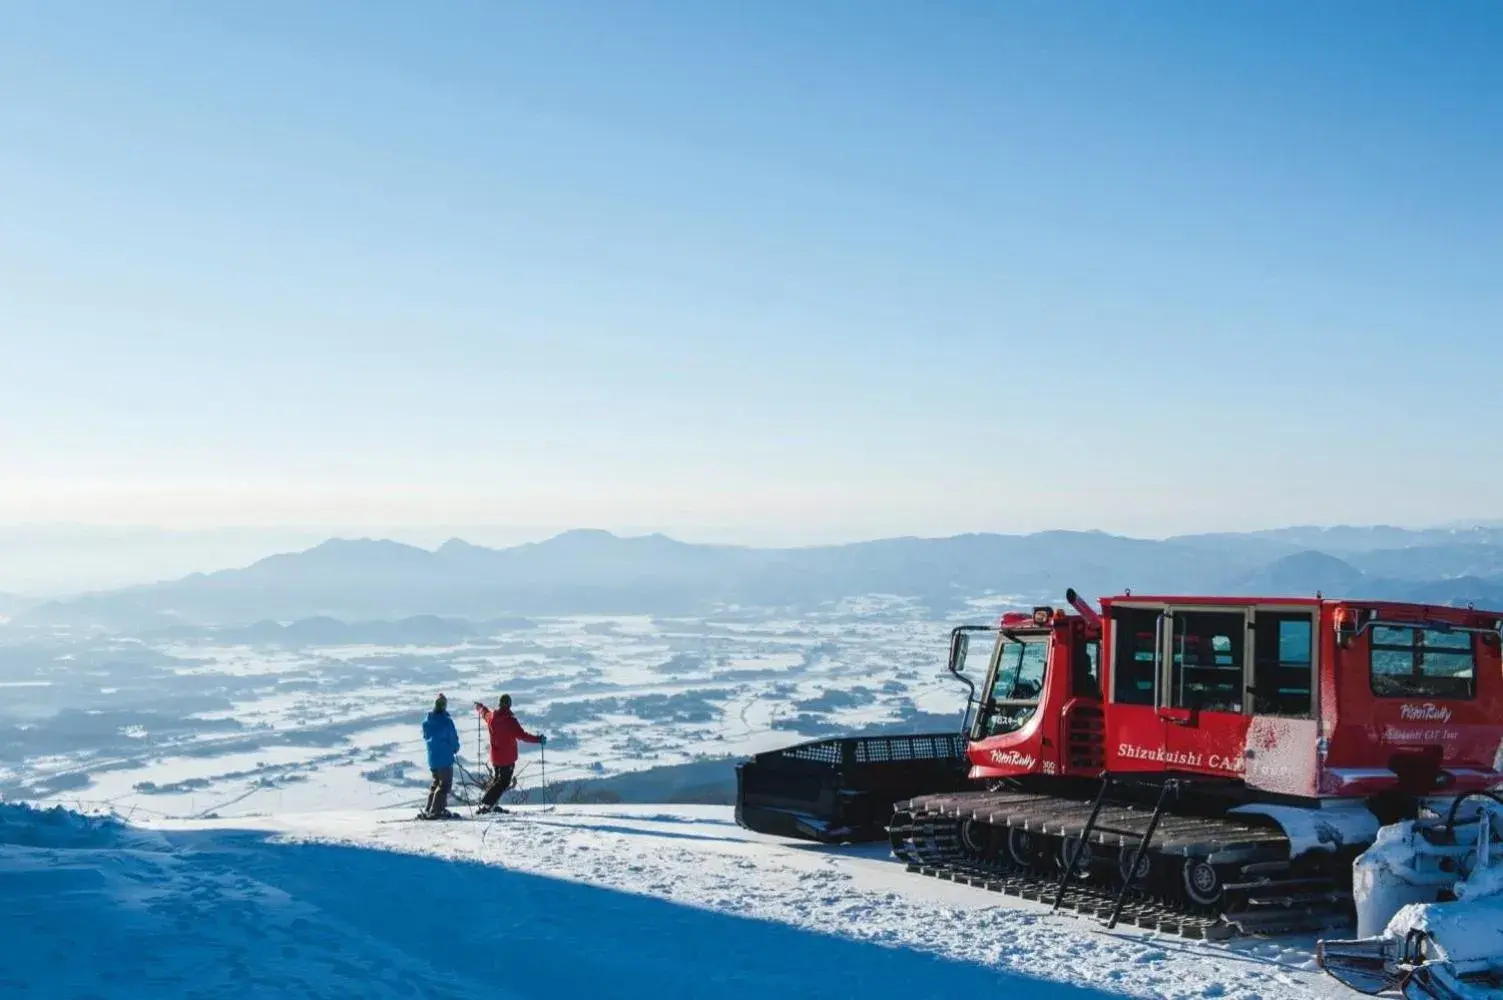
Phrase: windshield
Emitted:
{"points": [[1017, 686]]}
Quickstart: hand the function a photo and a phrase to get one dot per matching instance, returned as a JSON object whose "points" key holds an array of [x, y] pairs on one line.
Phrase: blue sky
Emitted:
{"points": [[768, 271]]}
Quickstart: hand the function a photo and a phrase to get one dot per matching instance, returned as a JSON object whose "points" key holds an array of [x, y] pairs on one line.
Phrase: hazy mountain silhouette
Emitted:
{"points": [[11, 604], [1426, 562], [1460, 591], [1345, 539], [64, 559], [1303, 573], [588, 571]]}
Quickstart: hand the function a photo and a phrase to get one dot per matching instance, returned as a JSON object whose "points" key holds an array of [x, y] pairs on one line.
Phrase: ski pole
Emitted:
{"points": [[543, 765]]}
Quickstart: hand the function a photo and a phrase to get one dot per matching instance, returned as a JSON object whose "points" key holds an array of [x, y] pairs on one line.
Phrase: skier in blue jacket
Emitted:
{"points": [[443, 743]]}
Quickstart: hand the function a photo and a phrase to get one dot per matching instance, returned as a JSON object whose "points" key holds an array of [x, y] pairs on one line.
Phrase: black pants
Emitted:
{"points": [[438, 792], [500, 782]]}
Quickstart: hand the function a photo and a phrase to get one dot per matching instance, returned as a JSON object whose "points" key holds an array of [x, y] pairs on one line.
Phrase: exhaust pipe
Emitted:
{"points": [[1086, 611]]}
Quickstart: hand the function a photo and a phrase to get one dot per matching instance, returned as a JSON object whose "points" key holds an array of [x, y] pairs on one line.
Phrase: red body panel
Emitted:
{"points": [[1349, 741], [1032, 749], [1366, 732], [1064, 719]]}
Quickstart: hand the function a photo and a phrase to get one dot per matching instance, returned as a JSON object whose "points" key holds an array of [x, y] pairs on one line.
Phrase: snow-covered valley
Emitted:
{"points": [[169, 726]]}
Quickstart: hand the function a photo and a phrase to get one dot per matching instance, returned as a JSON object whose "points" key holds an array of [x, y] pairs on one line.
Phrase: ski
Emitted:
{"points": [[420, 818]]}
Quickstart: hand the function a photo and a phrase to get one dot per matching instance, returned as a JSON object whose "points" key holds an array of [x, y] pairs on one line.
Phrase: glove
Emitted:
{"points": [[542, 740], [479, 704]]}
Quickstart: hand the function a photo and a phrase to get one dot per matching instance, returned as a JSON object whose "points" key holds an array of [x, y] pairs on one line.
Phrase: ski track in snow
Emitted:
{"points": [[660, 901]]}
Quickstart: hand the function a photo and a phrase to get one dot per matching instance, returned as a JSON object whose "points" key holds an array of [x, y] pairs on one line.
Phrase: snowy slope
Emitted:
{"points": [[574, 902], [92, 909]]}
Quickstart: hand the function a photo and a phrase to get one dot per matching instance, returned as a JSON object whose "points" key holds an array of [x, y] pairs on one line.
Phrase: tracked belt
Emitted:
{"points": [[1264, 896]]}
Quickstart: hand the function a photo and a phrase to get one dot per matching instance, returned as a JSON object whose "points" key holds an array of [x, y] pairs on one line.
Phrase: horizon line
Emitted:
{"points": [[334, 531]]}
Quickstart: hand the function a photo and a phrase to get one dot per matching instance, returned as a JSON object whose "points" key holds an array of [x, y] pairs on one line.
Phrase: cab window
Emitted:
{"points": [[1422, 663], [1086, 675], [1207, 666], [1134, 659], [1283, 664]]}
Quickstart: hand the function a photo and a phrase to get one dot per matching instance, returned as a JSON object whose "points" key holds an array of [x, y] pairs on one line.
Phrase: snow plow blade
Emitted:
{"points": [[843, 790], [1411, 966], [1363, 965]]}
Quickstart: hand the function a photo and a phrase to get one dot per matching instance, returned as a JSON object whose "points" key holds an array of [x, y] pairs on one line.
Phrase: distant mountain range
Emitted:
{"points": [[11, 605], [589, 571], [62, 559]]}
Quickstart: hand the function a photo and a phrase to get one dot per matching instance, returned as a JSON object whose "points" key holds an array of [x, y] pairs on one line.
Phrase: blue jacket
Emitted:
{"points": [[442, 739]]}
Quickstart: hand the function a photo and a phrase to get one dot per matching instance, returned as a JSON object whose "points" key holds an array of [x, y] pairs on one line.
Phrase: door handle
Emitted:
{"points": [[1172, 716]]}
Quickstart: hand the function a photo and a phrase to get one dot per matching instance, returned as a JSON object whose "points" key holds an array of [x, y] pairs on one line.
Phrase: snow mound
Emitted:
{"points": [[24, 825], [1466, 932]]}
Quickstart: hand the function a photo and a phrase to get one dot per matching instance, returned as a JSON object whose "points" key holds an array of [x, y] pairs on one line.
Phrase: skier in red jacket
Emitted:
{"points": [[505, 730]]}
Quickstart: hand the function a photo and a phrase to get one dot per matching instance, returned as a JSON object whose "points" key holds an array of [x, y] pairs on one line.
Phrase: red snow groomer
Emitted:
{"points": [[1207, 766]]}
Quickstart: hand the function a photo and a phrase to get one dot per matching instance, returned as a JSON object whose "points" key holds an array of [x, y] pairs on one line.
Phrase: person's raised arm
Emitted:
{"points": [[523, 734]]}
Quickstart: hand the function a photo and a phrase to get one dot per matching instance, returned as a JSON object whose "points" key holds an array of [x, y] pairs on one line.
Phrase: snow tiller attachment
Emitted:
{"points": [[1429, 900], [843, 790]]}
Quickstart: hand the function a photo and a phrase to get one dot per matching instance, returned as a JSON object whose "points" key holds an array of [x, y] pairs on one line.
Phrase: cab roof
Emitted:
{"points": [[1408, 607]]}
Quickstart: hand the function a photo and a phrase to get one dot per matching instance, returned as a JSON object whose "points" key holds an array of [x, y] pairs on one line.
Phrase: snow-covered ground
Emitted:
{"points": [[550, 903], [272, 852]]}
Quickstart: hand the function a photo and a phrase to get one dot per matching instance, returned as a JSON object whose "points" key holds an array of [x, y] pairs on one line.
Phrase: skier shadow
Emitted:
{"points": [[523, 935], [632, 831]]}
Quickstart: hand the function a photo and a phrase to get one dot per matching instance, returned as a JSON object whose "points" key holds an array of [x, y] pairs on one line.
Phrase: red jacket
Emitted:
{"points": [[505, 731]]}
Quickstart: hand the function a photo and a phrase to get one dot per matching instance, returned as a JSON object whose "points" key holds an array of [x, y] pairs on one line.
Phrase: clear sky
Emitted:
{"points": [[773, 270]]}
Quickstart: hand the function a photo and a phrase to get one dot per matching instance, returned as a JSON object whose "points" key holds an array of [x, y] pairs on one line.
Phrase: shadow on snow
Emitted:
{"points": [[533, 936]]}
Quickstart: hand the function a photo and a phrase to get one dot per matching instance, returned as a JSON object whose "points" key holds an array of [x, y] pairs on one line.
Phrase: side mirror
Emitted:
{"points": [[1346, 627], [958, 647]]}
